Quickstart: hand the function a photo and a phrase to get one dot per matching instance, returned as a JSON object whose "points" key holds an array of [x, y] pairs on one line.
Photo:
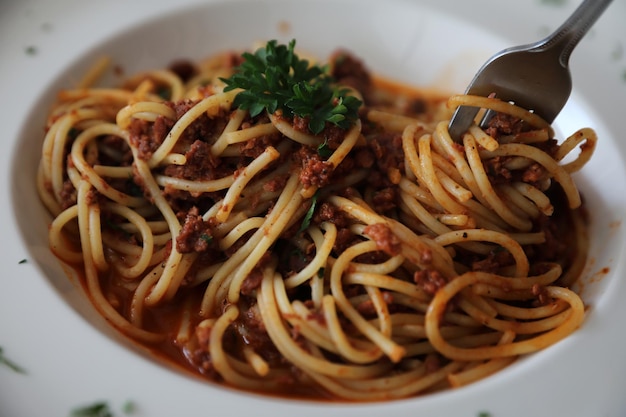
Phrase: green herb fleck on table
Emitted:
{"points": [[484, 414], [275, 78], [129, 407], [10, 364], [618, 52], [554, 2], [23, 261], [97, 409], [102, 409], [31, 50]]}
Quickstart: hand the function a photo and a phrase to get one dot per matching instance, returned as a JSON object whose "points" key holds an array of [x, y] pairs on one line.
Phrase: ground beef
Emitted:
{"points": [[68, 195], [345, 239], [384, 238], [139, 182], [301, 124], [293, 259], [334, 136], [496, 170], [364, 158], [417, 105], [255, 147], [534, 174], [200, 164], [498, 173], [504, 124], [92, 197], [327, 212], [348, 70], [203, 128], [367, 308], [147, 136], [494, 261], [253, 280], [315, 171], [119, 152], [195, 235], [184, 68], [429, 280], [388, 152], [252, 330], [384, 200], [555, 246]]}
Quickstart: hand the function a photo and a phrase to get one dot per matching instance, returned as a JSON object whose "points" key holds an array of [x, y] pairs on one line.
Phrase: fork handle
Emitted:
{"points": [[566, 37]]}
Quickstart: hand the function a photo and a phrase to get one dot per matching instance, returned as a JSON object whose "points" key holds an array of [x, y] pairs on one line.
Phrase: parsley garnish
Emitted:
{"points": [[275, 78], [23, 261], [324, 150], [554, 2], [133, 189], [298, 254], [306, 222], [164, 93], [73, 133], [102, 409], [207, 238], [12, 365], [98, 409], [129, 407]]}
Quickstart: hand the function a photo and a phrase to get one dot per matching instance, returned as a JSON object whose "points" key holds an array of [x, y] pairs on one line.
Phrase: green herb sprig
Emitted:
{"points": [[101, 409], [97, 409], [275, 78], [306, 222], [9, 363]]}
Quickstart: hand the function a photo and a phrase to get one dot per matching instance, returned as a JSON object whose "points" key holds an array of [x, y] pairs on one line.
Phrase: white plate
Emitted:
{"points": [[73, 359]]}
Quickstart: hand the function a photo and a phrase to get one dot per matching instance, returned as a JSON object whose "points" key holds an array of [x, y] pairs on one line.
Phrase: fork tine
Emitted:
{"points": [[462, 119]]}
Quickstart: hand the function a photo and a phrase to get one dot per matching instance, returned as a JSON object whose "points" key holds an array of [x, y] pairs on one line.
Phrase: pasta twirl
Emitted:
{"points": [[370, 262]]}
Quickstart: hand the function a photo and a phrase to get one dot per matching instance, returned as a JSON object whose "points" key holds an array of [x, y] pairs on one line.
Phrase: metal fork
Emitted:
{"points": [[535, 76]]}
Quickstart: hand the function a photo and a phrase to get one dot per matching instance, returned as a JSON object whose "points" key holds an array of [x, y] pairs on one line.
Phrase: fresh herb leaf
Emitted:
{"points": [[208, 239], [275, 78], [554, 2], [132, 188], [129, 407], [297, 253], [73, 133], [324, 150], [98, 409], [117, 227], [23, 261], [306, 222], [12, 365], [320, 273], [618, 52], [164, 93]]}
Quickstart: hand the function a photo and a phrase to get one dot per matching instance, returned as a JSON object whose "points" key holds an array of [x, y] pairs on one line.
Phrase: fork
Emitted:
{"points": [[535, 76]]}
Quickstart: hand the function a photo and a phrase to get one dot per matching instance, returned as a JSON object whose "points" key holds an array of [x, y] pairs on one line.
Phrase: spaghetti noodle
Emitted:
{"points": [[375, 262]]}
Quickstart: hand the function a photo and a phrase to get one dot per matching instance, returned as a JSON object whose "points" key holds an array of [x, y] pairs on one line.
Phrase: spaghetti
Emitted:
{"points": [[375, 262]]}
